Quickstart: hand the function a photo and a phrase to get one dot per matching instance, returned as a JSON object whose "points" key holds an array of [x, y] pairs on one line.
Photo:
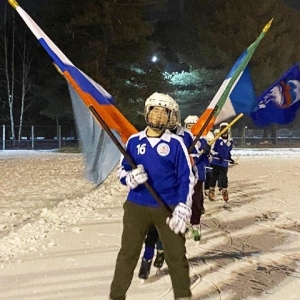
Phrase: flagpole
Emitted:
{"points": [[195, 233], [99, 118], [13, 3], [123, 151], [226, 128], [129, 159], [239, 69], [196, 139]]}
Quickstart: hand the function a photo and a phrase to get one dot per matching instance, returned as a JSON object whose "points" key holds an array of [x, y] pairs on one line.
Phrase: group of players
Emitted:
{"points": [[178, 173]]}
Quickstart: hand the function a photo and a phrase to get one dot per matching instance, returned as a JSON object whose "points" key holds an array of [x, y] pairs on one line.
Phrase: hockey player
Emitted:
{"points": [[152, 239], [190, 121], [201, 162], [221, 152], [209, 168], [162, 160]]}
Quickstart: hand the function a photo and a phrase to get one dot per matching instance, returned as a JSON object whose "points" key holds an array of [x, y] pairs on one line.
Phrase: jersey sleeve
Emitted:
{"points": [[185, 175], [124, 166], [188, 140]]}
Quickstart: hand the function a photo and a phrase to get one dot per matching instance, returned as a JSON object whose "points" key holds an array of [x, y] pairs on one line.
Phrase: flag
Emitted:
{"points": [[280, 102], [223, 97], [89, 91], [241, 99], [100, 153]]}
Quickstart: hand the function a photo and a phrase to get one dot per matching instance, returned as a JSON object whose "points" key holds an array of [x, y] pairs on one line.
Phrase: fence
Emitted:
{"points": [[51, 137], [258, 138], [39, 138], [260, 142]]}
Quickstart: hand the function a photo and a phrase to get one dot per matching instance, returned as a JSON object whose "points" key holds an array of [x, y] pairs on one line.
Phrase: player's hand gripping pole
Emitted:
{"points": [[226, 128], [151, 190]]}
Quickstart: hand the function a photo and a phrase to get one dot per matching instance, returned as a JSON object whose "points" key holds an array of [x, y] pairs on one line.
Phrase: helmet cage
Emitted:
{"points": [[174, 120], [190, 121], [164, 101], [227, 132]]}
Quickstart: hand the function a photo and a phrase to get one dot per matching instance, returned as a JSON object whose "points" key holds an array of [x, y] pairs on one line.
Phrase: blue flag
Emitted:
{"points": [[279, 103]]}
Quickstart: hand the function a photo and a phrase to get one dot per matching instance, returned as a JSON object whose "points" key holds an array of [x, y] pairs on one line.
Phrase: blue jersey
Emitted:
{"points": [[187, 137], [167, 163], [221, 151], [202, 160]]}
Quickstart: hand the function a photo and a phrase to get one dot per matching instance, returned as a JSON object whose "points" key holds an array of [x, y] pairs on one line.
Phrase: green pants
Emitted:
{"points": [[137, 220]]}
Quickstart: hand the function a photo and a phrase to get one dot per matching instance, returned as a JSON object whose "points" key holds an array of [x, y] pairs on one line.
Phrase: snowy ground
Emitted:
{"points": [[59, 237]]}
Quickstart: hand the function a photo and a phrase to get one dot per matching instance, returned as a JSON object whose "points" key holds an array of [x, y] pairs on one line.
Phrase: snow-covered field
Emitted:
{"points": [[59, 237]]}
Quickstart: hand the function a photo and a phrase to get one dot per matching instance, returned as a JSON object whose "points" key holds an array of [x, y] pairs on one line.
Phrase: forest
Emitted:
{"points": [[196, 42]]}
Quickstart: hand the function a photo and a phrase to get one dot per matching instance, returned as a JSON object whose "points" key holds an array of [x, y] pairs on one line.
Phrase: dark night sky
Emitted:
{"points": [[293, 3], [31, 5]]}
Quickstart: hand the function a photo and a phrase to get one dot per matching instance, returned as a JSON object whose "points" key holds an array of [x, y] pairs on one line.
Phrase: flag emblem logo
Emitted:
{"points": [[283, 95], [163, 149]]}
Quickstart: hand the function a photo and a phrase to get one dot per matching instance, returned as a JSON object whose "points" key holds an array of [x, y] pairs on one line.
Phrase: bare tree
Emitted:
{"points": [[10, 75], [26, 83]]}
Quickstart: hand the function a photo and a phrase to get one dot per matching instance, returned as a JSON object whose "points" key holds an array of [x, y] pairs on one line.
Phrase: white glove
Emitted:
{"points": [[136, 176], [180, 217]]}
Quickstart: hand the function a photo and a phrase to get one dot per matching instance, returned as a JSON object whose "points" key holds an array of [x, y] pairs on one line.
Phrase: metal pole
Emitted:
{"points": [[151, 190], [59, 136], [3, 137], [32, 137]]}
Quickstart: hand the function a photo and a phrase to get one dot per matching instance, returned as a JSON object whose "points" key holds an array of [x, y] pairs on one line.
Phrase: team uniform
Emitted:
{"points": [[165, 152], [221, 153], [162, 160], [201, 163], [152, 240]]}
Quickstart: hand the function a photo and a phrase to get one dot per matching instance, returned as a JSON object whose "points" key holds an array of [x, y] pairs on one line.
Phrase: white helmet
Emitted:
{"points": [[190, 121], [216, 131], [209, 137], [223, 125], [160, 100], [175, 119], [226, 134]]}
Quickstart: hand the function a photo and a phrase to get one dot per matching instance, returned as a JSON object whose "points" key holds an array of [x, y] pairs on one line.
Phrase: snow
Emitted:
{"points": [[59, 236]]}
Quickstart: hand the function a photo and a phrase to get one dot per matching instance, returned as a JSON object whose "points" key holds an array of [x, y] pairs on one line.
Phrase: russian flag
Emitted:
{"points": [[92, 93]]}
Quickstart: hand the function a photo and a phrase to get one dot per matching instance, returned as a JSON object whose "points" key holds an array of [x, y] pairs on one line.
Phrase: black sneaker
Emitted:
{"points": [[145, 268], [160, 258]]}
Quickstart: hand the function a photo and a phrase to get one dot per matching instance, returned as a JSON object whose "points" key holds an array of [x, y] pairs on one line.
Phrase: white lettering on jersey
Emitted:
{"points": [[141, 149], [163, 149]]}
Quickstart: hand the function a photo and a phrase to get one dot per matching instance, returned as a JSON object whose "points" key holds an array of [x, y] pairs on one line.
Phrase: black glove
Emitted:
{"points": [[206, 149], [231, 161]]}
